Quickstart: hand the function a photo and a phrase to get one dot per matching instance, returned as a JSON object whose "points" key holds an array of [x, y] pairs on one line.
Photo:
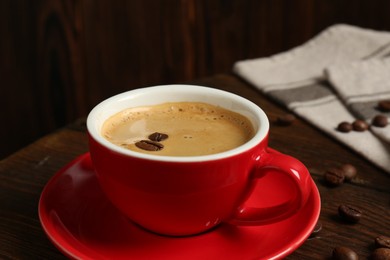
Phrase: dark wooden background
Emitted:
{"points": [[60, 58]]}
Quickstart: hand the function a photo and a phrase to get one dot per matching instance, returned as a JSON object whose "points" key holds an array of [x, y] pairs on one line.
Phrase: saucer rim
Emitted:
{"points": [[52, 237], [74, 253]]}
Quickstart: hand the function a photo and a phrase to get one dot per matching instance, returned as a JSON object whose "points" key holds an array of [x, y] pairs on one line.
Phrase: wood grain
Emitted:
{"points": [[60, 58]]}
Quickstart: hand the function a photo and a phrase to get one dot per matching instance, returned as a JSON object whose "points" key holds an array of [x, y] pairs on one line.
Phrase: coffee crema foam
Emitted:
{"points": [[193, 128]]}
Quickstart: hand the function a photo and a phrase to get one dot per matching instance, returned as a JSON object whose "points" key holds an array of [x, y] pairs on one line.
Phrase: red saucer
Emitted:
{"points": [[83, 224]]}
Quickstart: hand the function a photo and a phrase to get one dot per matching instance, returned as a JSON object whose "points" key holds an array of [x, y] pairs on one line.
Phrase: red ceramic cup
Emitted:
{"points": [[188, 195]]}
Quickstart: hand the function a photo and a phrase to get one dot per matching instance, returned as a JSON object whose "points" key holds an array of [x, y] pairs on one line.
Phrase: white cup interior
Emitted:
{"points": [[177, 93]]}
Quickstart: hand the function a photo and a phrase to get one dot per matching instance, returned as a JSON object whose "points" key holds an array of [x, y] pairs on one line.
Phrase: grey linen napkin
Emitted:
{"points": [[362, 85], [306, 80]]}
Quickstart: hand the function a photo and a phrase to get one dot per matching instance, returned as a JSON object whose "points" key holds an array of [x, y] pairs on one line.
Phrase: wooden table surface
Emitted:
{"points": [[24, 174]]}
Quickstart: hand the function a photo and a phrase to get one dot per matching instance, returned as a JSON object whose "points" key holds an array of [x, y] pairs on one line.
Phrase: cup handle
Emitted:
{"points": [[273, 160]]}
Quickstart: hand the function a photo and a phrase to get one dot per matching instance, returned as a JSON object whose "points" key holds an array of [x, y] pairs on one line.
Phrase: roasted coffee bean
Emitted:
{"points": [[344, 127], [344, 253], [360, 125], [317, 229], [380, 121], [350, 213], [285, 120], [384, 105], [382, 241], [349, 171], [381, 254], [158, 137], [334, 177], [149, 145]]}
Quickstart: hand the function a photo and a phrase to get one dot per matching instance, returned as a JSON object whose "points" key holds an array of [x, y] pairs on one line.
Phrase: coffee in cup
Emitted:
{"points": [[190, 194], [178, 129]]}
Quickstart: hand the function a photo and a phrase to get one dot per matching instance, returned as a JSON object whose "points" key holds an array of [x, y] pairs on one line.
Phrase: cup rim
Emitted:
{"points": [[257, 113]]}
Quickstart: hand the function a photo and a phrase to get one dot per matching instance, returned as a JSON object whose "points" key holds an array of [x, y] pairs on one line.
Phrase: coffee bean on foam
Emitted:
{"points": [[148, 145], [157, 137]]}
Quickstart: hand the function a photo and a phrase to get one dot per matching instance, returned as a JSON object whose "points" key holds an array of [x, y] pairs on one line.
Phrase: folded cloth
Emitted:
{"points": [[362, 85], [298, 80]]}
